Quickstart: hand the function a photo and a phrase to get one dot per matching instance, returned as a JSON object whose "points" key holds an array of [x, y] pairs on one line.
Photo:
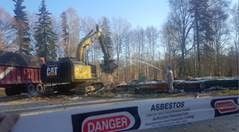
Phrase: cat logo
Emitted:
{"points": [[51, 71]]}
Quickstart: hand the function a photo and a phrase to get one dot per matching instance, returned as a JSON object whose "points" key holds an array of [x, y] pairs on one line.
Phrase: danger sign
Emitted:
{"points": [[225, 106], [107, 121], [112, 122]]}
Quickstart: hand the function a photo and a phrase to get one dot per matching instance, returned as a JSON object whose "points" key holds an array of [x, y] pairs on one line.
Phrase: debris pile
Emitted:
{"points": [[143, 87]]}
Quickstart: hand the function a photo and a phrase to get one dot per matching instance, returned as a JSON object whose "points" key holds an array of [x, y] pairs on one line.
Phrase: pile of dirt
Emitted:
{"points": [[17, 59]]}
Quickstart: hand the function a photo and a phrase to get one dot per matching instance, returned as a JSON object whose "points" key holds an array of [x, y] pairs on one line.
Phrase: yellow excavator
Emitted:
{"points": [[108, 65], [69, 73]]}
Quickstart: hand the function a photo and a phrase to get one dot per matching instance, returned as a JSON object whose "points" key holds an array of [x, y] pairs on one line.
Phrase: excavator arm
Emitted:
{"points": [[108, 65], [86, 42]]}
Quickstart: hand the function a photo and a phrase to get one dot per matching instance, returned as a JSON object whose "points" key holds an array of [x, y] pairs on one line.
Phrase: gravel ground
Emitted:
{"points": [[12, 103], [228, 123], [39, 103], [24, 103]]}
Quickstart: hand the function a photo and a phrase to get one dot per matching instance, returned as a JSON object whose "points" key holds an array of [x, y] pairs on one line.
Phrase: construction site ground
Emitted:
{"points": [[23, 103]]}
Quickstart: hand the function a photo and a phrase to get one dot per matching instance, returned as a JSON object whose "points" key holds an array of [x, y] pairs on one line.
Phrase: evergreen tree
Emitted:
{"points": [[203, 33], [44, 34], [22, 27]]}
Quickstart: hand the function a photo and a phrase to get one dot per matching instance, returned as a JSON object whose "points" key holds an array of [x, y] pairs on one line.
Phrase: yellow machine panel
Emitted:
{"points": [[82, 72]]}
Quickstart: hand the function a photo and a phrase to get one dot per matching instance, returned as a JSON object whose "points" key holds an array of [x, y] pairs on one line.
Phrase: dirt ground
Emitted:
{"points": [[2, 92], [228, 123], [24, 102]]}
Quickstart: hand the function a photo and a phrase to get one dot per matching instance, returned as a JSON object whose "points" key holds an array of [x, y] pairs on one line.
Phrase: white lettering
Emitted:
{"points": [[124, 121], [98, 127], [107, 124], [118, 122], [112, 123], [51, 71], [90, 127]]}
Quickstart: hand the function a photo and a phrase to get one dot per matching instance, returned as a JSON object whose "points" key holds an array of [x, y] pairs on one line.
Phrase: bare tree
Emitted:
{"points": [[87, 24], [220, 36], [152, 35], [73, 25], [120, 29], [7, 33], [235, 29], [170, 40], [201, 16], [140, 45], [65, 34], [181, 22]]}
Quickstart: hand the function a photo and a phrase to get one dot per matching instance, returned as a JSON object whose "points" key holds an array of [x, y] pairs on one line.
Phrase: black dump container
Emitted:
{"points": [[57, 72]]}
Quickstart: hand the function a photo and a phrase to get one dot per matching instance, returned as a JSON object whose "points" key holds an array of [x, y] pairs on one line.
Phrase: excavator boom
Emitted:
{"points": [[108, 65]]}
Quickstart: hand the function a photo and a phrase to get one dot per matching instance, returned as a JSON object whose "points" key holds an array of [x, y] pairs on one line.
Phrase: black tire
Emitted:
{"points": [[11, 91], [41, 89], [32, 90], [64, 89]]}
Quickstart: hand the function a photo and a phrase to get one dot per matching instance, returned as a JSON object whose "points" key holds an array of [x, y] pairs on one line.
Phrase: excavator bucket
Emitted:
{"points": [[108, 66]]}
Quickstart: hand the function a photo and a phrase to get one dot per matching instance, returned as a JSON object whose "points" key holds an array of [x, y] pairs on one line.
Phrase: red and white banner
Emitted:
{"points": [[129, 115]]}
